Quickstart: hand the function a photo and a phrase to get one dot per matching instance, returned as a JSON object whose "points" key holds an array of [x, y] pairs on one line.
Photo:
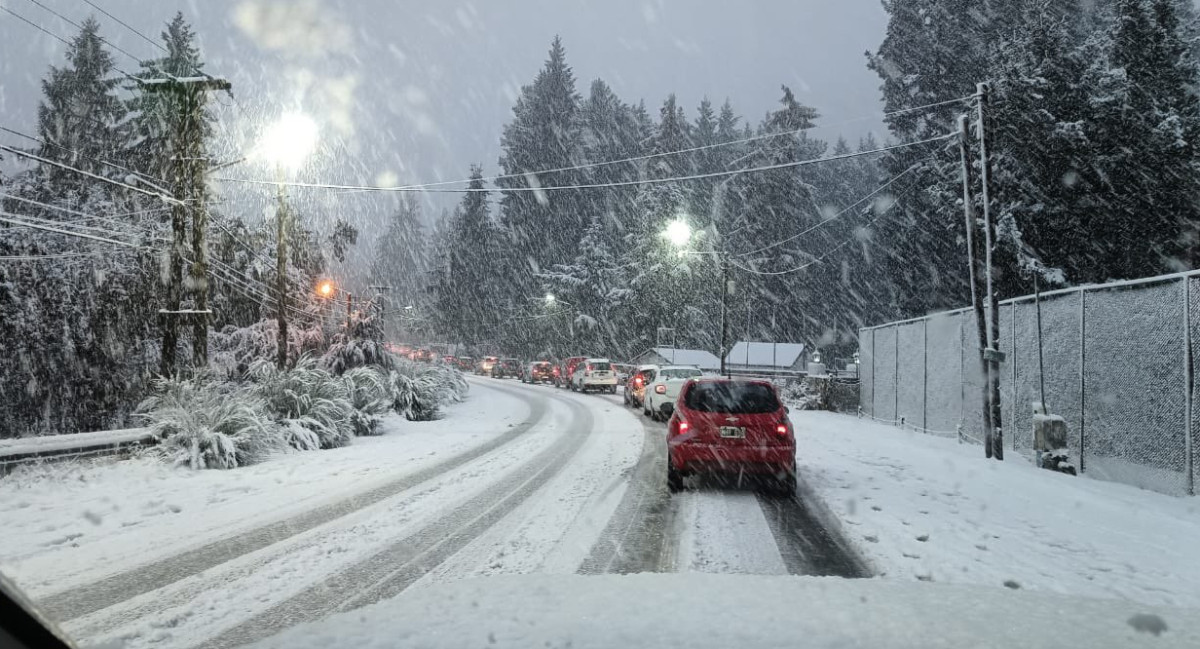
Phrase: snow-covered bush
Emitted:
{"points": [[308, 397], [233, 350], [800, 395], [419, 391], [207, 424], [345, 355], [371, 396]]}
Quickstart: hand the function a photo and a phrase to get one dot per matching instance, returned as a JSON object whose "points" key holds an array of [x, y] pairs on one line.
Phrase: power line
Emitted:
{"points": [[36, 26], [77, 226], [78, 213], [822, 257], [80, 155], [126, 25], [835, 216], [766, 136], [649, 181], [80, 27], [89, 174], [81, 235], [62, 255]]}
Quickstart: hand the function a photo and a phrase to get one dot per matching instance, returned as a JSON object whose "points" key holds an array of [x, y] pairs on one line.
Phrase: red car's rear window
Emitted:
{"points": [[732, 397]]}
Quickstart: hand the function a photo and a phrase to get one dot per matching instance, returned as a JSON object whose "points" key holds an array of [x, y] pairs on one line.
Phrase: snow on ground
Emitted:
{"points": [[724, 531], [931, 509], [192, 611], [554, 530], [702, 611], [73, 522]]}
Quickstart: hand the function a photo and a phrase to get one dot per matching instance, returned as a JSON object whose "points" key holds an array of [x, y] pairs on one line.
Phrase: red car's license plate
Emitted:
{"points": [[733, 432]]}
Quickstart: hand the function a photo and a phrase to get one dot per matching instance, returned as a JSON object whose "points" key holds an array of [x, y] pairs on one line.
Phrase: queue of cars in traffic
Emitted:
{"points": [[714, 424]]}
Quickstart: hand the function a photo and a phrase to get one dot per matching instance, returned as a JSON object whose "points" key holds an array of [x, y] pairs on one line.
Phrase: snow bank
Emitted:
{"points": [[927, 508], [700, 611], [74, 522]]}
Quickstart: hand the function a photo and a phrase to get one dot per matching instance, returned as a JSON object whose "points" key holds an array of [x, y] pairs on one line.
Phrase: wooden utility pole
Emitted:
{"points": [[188, 167], [994, 437], [972, 233], [281, 339]]}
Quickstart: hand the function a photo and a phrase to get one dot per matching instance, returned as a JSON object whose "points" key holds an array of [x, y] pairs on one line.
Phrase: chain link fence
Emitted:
{"points": [[1117, 365]]}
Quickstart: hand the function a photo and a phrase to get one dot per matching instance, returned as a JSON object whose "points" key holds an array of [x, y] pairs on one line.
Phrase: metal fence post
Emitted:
{"points": [[925, 373], [896, 377], [1082, 375], [1189, 376], [874, 375], [1012, 396]]}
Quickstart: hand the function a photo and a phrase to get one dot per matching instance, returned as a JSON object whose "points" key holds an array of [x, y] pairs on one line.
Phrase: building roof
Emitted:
{"points": [[698, 357], [776, 355]]}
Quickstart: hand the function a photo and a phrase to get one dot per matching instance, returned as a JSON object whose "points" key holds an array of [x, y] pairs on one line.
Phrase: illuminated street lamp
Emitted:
{"points": [[285, 144], [325, 288], [550, 298], [678, 232]]}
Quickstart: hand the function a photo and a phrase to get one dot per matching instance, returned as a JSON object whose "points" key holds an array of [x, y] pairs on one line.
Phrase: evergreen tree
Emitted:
{"points": [[79, 118], [469, 297], [401, 255], [156, 113], [544, 134]]}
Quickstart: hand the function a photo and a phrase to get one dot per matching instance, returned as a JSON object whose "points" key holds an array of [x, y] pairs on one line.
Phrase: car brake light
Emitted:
{"points": [[683, 427], [637, 381], [660, 389], [781, 429]]}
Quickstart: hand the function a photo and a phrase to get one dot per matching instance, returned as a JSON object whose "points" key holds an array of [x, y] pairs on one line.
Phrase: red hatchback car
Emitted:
{"points": [[730, 426]]}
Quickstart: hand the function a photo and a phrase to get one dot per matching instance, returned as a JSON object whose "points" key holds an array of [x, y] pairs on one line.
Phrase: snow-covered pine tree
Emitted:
{"points": [[401, 258], [774, 206], [469, 302], [610, 132], [544, 134], [594, 296]]}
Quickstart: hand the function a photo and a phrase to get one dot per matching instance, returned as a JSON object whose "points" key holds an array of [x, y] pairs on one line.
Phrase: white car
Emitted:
{"points": [[595, 374], [664, 390]]}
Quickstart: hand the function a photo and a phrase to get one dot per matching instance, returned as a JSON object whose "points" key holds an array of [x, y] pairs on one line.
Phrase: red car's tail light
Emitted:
{"points": [[660, 389], [783, 428], [683, 427], [678, 427], [637, 380]]}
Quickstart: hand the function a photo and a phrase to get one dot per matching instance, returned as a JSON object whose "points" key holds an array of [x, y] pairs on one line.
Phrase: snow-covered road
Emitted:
{"points": [[519, 479]]}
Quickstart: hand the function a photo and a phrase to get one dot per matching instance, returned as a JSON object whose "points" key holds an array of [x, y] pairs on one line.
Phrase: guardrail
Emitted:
{"points": [[58, 447]]}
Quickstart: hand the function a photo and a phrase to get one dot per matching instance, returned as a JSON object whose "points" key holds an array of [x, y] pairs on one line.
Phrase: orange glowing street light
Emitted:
{"points": [[325, 288]]}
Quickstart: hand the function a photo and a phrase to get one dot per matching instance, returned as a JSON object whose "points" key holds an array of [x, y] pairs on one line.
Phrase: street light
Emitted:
{"points": [[678, 232], [325, 288], [550, 298], [286, 144], [289, 141]]}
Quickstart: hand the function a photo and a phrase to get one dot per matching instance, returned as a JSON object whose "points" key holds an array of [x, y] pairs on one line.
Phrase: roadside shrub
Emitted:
{"points": [[206, 425], [306, 396], [346, 355], [371, 396]]}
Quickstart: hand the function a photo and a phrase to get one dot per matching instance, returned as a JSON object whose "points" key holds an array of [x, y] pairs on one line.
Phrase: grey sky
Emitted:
{"points": [[415, 91]]}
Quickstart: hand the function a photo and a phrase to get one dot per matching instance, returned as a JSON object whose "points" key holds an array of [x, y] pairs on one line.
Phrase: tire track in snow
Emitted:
{"points": [[401, 564], [809, 539], [88, 598], [637, 538]]}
